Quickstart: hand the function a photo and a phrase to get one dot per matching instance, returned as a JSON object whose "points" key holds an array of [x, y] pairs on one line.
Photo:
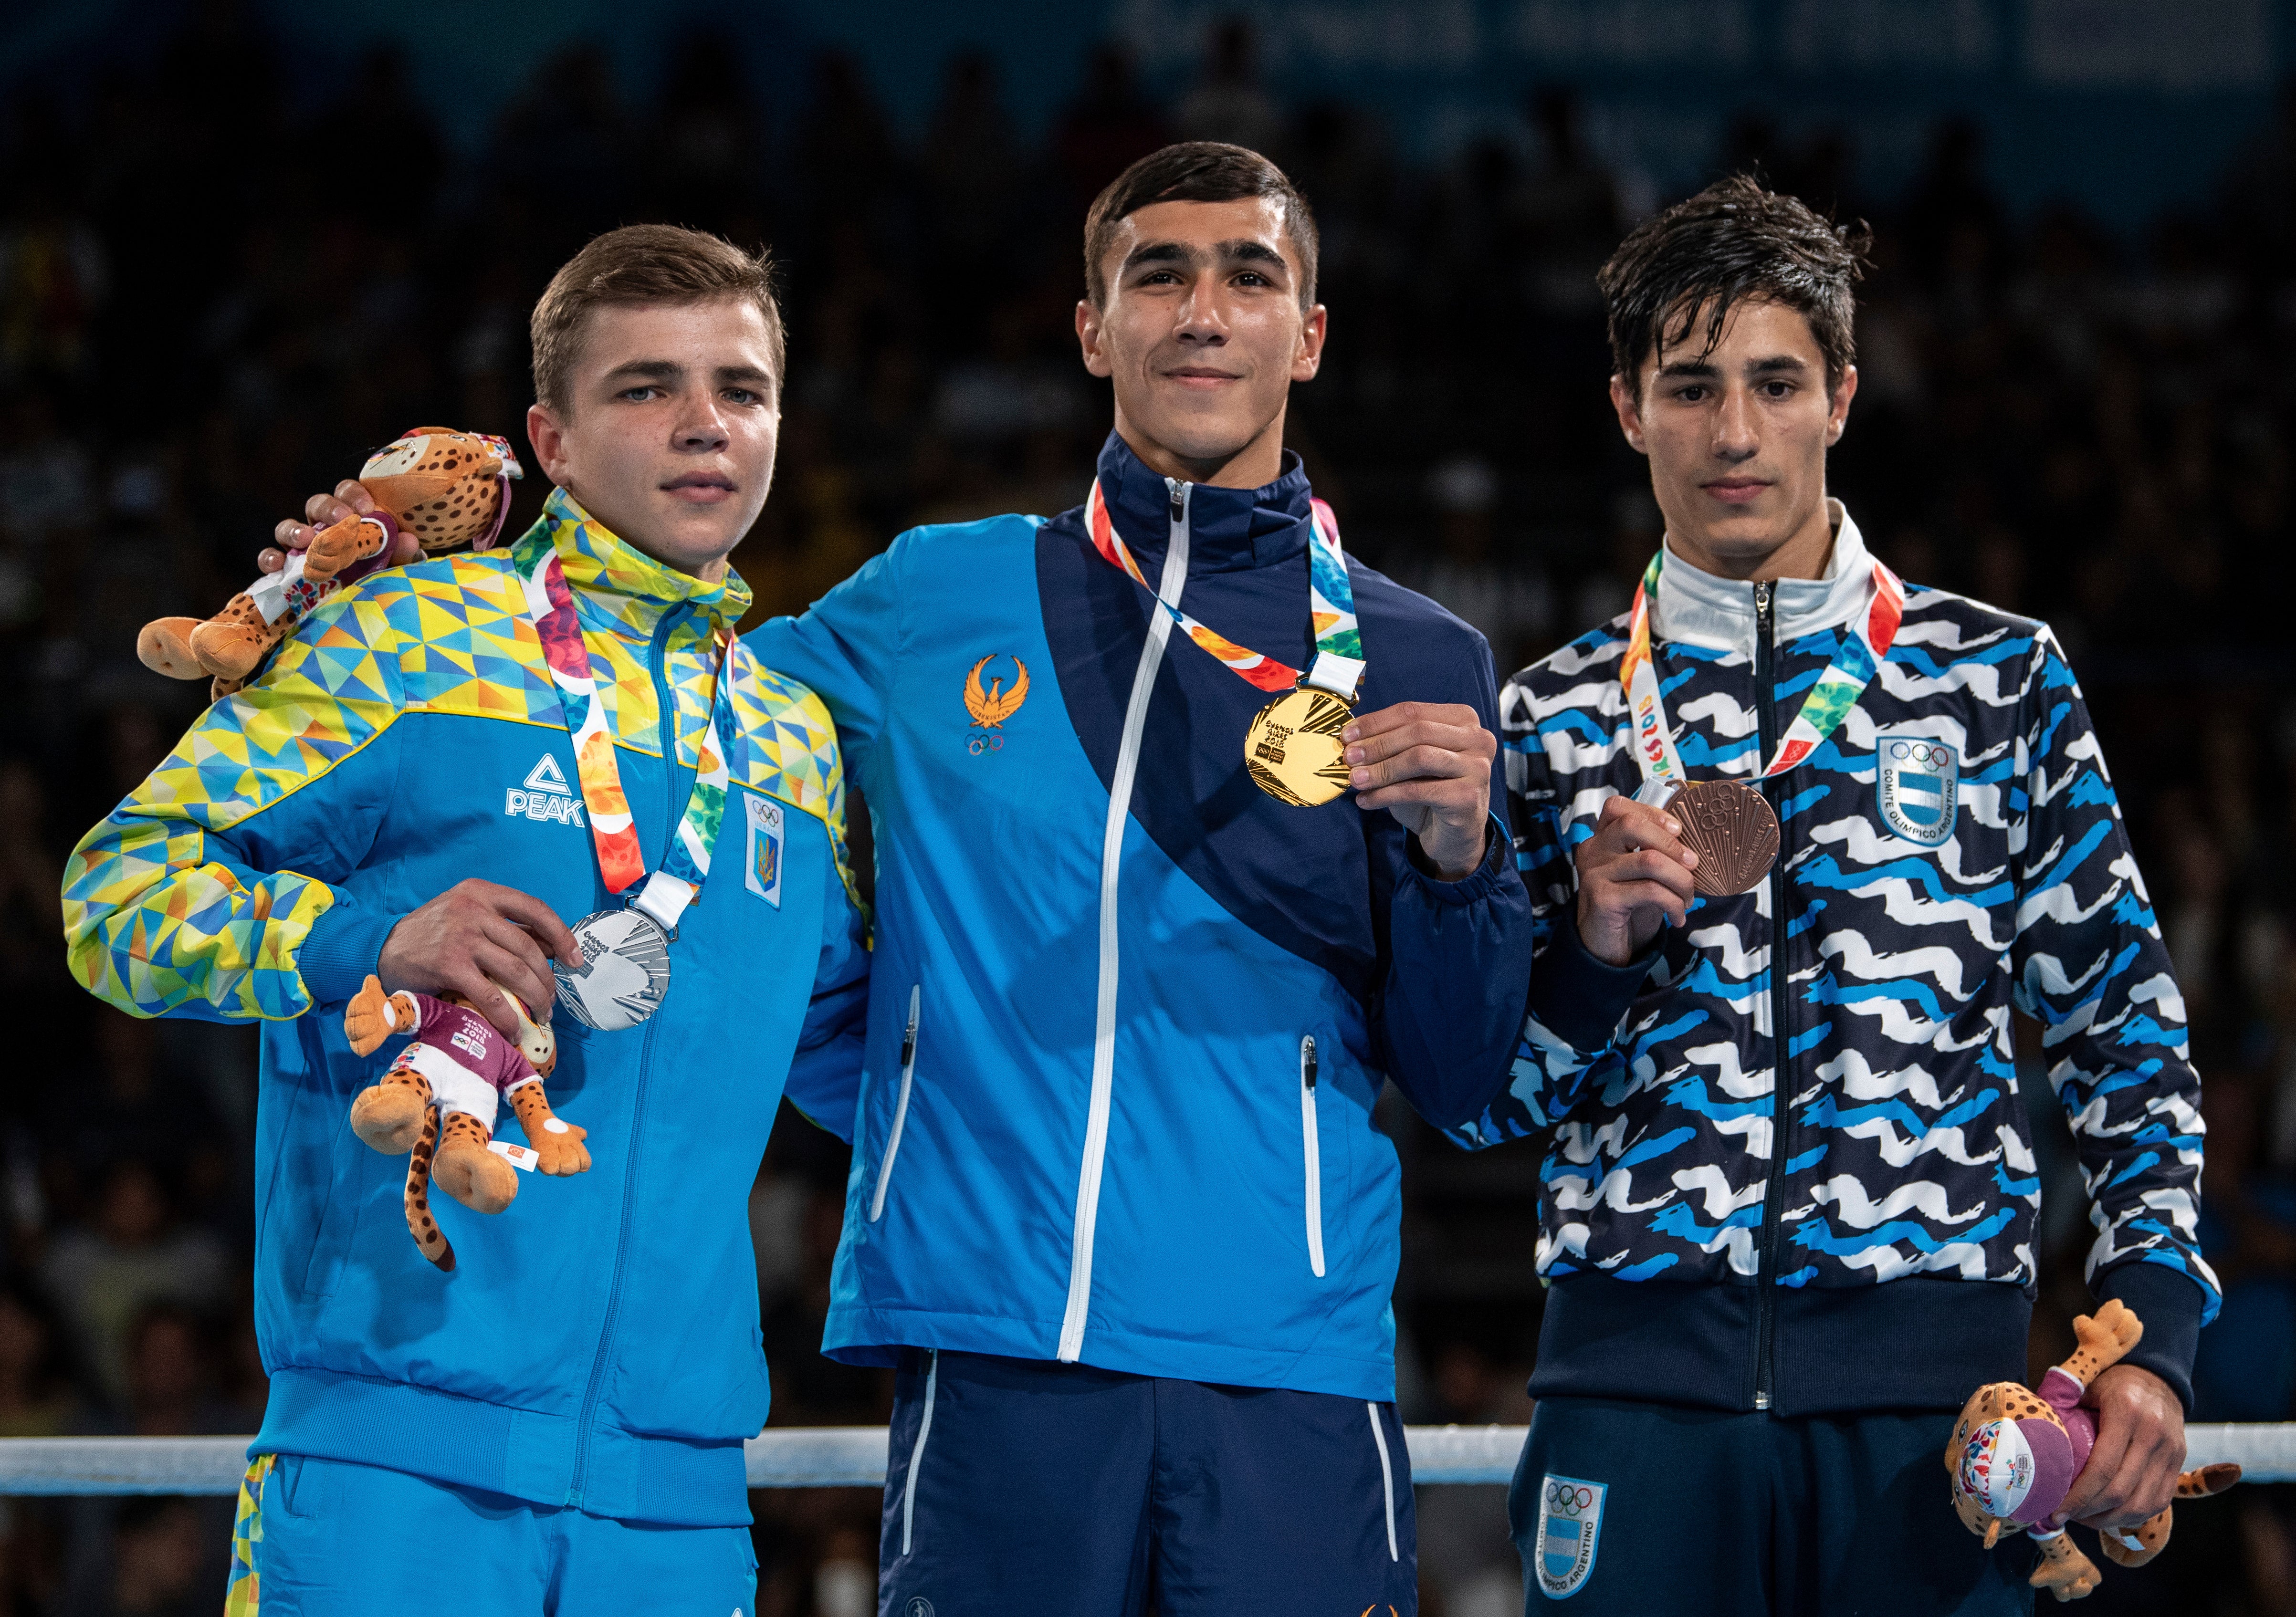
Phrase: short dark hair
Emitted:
{"points": [[1197, 171], [1733, 242], [641, 263]]}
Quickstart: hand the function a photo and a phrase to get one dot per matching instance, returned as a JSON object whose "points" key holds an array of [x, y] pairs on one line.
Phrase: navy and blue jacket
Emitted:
{"points": [[1129, 1014], [1797, 1174]]}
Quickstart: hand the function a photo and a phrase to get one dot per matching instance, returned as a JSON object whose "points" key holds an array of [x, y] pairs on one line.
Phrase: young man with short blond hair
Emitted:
{"points": [[557, 1423]]}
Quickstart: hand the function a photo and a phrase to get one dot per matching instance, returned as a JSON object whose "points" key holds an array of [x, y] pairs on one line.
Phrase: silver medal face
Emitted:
{"points": [[625, 971]]}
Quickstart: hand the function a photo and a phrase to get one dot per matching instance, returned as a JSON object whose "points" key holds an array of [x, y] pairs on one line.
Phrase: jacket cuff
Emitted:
{"points": [[341, 948], [1479, 883], [1580, 999], [2169, 1303]]}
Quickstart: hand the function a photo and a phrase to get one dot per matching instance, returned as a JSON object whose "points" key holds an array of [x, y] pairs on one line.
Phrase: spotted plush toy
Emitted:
{"points": [[439, 1102], [443, 487], [2015, 1454]]}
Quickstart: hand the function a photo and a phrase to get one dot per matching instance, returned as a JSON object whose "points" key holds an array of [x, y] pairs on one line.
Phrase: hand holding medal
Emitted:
{"points": [[1718, 838], [1428, 763]]}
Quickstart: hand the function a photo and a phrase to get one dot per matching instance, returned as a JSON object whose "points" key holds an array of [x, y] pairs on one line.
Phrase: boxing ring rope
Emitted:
{"points": [[854, 1457]]}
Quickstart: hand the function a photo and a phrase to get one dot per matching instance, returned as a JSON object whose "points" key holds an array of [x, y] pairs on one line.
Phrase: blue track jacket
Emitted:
{"points": [[597, 1345], [1129, 1014], [1797, 1175]]}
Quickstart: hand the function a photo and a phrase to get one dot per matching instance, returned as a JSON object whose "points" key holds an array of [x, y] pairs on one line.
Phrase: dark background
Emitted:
{"points": [[238, 252]]}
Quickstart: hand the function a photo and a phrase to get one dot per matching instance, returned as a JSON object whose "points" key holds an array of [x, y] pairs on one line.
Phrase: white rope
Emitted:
{"points": [[854, 1457]]}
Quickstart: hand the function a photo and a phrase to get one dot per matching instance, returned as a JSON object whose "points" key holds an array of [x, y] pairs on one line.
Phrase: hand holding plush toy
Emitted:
{"points": [[438, 1100], [442, 486], [2015, 1454]]}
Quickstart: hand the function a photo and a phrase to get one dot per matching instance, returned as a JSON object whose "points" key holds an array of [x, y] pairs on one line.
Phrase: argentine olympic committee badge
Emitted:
{"points": [[1570, 1526], [1918, 780]]}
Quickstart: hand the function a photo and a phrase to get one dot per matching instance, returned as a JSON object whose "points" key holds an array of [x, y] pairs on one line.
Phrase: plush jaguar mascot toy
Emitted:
{"points": [[439, 1099], [445, 487], [2015, 1454]]}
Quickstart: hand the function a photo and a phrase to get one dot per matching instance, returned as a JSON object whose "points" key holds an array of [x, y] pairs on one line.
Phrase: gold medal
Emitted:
{"points": [[1294, 748]]}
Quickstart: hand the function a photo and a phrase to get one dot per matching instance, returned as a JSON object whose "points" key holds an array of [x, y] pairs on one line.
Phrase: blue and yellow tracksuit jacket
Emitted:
{"points": [[1129, 1014], [598, 1344]]}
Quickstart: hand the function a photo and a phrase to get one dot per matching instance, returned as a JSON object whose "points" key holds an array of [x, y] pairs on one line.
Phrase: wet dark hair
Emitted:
{"points": [[1733, 242], [1197, 171]]}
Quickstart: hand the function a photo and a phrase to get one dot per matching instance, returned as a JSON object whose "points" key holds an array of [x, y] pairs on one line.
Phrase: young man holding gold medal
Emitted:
{"points": [[1119, 1211], [1834, 828], [550, 1420]]}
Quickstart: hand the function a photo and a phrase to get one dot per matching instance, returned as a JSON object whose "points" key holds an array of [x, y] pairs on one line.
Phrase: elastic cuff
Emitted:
{"points": [[2170, 1303], [341, 949], [1577, 998], [1478, 884]]}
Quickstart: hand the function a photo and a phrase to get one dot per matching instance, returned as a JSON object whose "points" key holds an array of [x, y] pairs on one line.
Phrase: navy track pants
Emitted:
{"points": [[1023, 1489], [1626, 1507]]}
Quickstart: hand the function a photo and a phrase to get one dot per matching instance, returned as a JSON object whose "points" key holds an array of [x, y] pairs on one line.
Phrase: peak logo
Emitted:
{"points": [[543, 796]]}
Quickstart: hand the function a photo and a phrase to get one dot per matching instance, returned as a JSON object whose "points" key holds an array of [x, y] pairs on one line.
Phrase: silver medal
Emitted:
{"points": [[625, 971]]}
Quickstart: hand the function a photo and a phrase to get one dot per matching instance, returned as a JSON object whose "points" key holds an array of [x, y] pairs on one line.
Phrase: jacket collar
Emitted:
{"points": [[1704, 610], [1230, 530], [619, 587]]}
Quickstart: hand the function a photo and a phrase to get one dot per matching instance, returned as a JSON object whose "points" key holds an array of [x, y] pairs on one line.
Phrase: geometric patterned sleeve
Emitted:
{"points": [[194, 896], [2091, 968], [1576, 1002]]}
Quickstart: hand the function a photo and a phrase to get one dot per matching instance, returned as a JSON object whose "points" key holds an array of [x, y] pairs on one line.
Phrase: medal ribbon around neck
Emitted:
{"points": [[1829, 702], [550, 601], [1339, 663]]}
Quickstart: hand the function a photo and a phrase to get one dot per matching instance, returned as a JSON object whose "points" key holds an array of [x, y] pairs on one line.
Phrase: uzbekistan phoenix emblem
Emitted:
{"points": [[991, 707]]}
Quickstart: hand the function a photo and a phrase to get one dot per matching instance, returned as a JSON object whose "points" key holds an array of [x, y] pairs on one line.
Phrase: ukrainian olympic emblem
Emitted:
{"points": [[1919, 782], [989, 708], [1570, 1524]]}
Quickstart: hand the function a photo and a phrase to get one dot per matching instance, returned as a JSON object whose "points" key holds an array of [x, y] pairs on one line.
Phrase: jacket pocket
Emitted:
{"points": [[1311, 1151], [901, 1106]]}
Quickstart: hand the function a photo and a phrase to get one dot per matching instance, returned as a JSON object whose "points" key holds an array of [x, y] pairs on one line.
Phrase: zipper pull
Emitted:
{"points": [[1308, 1061], [909, 1034], [1762, 606], [1179, 499]]}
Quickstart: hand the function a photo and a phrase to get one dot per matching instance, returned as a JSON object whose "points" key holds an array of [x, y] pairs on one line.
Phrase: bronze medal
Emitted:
{"points": [[1734, 831], [1293, 749]]}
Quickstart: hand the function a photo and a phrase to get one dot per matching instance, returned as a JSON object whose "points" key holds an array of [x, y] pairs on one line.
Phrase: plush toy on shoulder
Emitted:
{"points": [[439, 1102], [2016, 1453], [445, 488]]}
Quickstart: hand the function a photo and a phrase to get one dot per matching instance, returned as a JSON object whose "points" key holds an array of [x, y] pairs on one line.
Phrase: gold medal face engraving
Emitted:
{"points": [[1292, 748], [1735, 831]]}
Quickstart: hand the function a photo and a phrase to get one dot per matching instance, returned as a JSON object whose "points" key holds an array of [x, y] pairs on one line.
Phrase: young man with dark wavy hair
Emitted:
{"points": [[1831, 829]]}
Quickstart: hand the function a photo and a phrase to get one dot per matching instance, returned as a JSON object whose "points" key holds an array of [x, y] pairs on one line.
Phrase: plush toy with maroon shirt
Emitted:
{"points": [[439, 1099], [2016, 1453]]}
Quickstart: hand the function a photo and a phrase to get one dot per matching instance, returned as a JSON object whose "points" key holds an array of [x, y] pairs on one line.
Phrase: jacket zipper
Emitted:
{"points": [[1774, 1194], [1111, 852], [1311, 1147], [901, 1106], [666, 731]]}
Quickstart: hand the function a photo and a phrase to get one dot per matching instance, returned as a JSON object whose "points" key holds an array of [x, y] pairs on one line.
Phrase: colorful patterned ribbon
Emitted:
{"points": [[1339, 663], [550, 602], [1829, 702]]}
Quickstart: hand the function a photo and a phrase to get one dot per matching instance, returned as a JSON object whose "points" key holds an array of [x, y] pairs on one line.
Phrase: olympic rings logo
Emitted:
{"points": [[985, 741], [1930, 755], [1566, 1500]]}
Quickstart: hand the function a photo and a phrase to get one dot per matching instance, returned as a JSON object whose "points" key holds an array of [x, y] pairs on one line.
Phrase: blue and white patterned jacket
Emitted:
{"points": [[1916, 899]]}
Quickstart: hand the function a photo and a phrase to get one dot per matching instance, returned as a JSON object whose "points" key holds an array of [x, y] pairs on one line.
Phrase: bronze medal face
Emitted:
{"points": [[1292, 748], [1735, 831]]}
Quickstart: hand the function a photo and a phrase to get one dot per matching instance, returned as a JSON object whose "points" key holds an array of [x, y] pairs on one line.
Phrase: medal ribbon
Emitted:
{"points": [[1339, 663], [550, 602], [1829, 702]]}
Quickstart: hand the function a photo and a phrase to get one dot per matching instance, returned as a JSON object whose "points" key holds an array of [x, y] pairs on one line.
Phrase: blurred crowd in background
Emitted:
{"points": [[210, 308]]}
